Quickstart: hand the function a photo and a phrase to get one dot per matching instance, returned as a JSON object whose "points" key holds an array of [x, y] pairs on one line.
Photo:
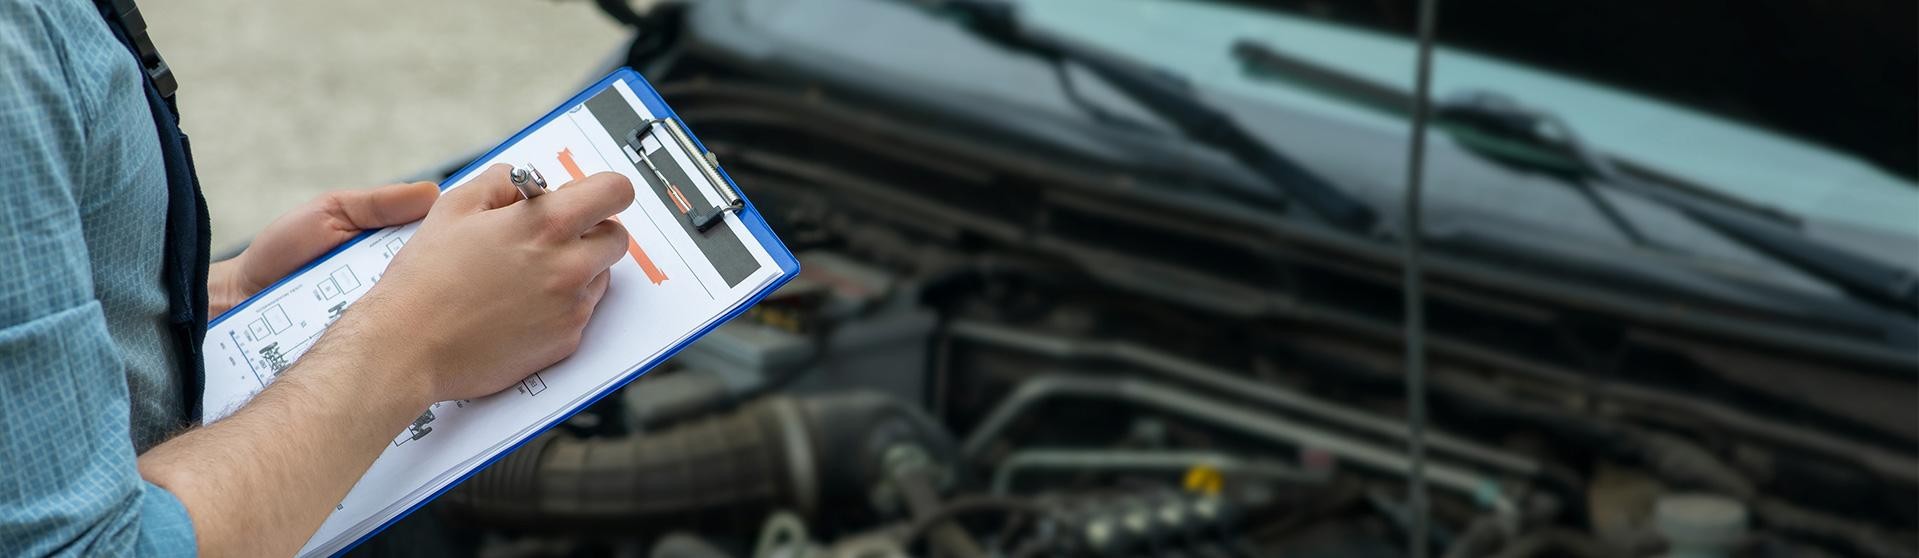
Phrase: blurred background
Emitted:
{"points": [[1123, 277], [291, 99]]}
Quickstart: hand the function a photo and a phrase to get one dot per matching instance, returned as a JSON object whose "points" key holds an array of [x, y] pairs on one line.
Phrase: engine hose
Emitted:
{"points": [[720, 471]]}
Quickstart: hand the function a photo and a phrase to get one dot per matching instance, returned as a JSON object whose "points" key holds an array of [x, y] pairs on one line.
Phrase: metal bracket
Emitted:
{"points": [[702, 218]]}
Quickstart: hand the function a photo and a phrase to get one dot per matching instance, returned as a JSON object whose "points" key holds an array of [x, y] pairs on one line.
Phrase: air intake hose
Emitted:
{"points": [[723, 471]]}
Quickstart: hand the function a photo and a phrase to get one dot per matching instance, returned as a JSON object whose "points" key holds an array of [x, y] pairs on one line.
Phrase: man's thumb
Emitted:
{"points": [[386, 205]]}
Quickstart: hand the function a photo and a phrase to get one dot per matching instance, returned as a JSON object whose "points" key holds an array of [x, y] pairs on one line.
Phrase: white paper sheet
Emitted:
{"points": [[643, 315]]}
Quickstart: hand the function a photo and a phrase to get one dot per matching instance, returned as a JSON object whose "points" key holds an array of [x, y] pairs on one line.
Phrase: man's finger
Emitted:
{"points": [[380, 207], [584, 203], [604, 243], [490, 190], [596, 288]]}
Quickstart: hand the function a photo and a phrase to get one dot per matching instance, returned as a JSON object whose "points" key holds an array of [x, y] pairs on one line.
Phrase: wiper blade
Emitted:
{"points": [[1497, 127], [1172, 99]]}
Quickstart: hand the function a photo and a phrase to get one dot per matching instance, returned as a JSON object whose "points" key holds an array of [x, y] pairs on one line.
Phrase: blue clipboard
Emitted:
{"points": [[749, 216]]}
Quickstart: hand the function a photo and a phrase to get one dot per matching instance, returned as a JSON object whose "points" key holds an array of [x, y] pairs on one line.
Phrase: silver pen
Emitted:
{"points": [[528, 181]]}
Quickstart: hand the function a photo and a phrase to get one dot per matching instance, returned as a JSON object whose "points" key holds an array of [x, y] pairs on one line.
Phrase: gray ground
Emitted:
{"points": [[287, 99]]}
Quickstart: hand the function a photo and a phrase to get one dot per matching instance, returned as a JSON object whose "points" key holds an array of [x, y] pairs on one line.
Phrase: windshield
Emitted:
{"points": [[1801, 173]]}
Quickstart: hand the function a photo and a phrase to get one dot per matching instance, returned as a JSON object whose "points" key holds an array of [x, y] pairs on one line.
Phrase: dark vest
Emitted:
{"points": [[188, 232]]}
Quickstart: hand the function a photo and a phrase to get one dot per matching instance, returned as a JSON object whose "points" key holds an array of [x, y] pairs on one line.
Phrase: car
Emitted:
{"points": [[1102, 278]]}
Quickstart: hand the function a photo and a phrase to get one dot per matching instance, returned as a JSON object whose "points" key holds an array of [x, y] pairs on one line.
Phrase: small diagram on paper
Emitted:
{"points": [[340, 282], [417, 430], [274, 336], [532, 385], [271, 321], [392, 246], [273, 358]]}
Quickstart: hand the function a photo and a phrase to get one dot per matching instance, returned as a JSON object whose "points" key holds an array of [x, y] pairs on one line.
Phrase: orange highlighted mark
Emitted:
{"points": [[572, 168], [653, 272]]}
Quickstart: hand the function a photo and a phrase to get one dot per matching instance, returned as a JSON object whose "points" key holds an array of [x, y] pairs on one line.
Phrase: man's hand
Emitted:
{"points": [[310, 230], [493, 288], [490, 289]]}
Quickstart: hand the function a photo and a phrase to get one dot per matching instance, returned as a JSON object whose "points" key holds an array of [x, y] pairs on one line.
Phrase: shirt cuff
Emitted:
{"points": [[165, 528]]}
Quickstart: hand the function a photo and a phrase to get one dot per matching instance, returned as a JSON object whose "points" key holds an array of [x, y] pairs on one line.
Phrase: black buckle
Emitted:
{"points": [[135, 27]]}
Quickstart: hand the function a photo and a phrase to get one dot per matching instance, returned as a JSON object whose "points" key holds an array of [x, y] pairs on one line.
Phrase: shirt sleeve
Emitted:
{"points": [[69, 485]]}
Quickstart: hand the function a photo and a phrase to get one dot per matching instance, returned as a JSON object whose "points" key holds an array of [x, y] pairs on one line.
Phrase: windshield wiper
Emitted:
{"points": [[1495, 126], [1170, 98]]}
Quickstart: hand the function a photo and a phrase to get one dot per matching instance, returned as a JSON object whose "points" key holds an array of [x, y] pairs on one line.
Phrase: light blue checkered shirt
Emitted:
{"points": [[86, 373]]}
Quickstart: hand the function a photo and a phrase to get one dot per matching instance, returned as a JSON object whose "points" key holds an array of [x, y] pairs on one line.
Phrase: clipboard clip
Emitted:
{"points": [[702, 218]]}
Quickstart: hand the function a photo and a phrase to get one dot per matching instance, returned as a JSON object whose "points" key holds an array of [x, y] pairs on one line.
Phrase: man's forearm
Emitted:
{"points": [[261, 481], [454, 316]]}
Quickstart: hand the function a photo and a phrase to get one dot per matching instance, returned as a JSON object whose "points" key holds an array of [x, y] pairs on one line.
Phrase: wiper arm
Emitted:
{"points": [[1466, 117], [1495, 126], [1172, 99]]}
